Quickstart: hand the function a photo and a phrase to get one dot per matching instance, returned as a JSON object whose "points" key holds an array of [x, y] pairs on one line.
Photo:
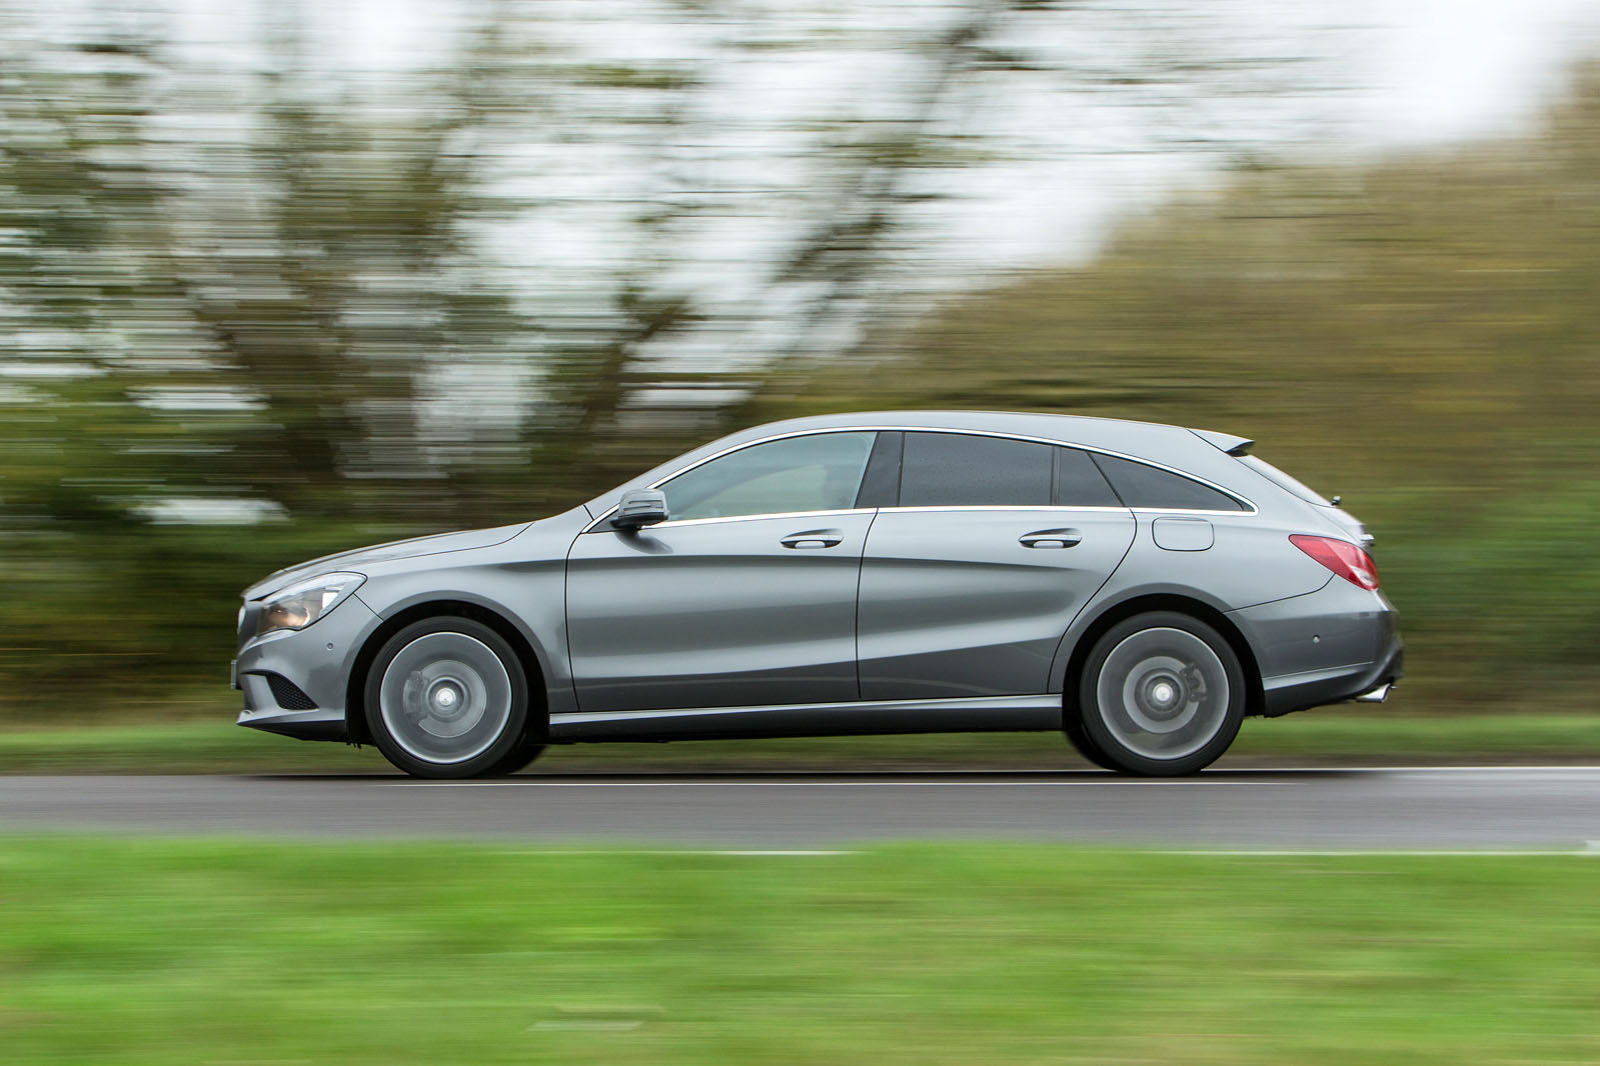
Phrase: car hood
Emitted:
{"points": [[377, 553]]}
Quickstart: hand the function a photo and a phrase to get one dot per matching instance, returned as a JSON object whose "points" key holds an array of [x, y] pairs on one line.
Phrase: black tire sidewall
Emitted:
{"points": [[1118, 757], [494, 759], [1072, 726]]}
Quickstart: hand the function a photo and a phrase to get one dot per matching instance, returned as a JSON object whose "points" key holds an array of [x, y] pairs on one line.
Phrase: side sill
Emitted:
{"points": [[961, 715]]}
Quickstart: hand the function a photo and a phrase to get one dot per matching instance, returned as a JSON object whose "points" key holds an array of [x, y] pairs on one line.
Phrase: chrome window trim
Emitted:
{"points": [[1251, 508], [678, 523], [1065, 507], [1004, 507]]}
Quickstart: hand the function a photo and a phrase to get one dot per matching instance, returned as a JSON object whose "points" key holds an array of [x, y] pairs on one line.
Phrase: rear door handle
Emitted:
{"points": [[1050, 538], [814, 538]]}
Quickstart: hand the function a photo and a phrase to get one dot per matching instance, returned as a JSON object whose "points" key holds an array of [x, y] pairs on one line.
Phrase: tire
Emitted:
{"points": [[1072, 725], [1161, 695], [447, 697]]}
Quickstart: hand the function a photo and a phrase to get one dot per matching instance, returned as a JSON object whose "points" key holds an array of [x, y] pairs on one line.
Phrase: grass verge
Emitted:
{"points": [[155, 952], [1335, 735]]}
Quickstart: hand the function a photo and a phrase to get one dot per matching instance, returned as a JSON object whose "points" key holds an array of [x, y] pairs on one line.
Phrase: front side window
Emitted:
{"points": [[819, 472], [963, 470]]}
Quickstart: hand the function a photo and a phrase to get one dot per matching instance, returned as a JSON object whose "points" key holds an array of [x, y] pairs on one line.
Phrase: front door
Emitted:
{"points": [[745, 596]]}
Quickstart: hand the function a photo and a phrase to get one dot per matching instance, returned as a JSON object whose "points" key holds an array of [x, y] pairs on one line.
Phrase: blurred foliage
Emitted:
{"points": [[1421, 336], [252, 312]]}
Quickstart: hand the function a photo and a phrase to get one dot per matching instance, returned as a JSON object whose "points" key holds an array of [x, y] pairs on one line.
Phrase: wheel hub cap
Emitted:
{"points": [[1163, 693], [445, 698], [1161, 696]]}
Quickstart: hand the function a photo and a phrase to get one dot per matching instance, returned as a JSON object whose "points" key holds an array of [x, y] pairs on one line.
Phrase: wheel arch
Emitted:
{"points": [[355, 691], [1255, 703]]}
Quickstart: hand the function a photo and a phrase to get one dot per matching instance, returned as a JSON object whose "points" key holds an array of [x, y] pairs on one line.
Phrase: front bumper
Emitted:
{"points": [[315, 724], [295, 681]]}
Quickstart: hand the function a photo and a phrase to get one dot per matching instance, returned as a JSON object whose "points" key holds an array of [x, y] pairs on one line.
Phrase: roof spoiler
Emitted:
{"points": [[1225, 442]]}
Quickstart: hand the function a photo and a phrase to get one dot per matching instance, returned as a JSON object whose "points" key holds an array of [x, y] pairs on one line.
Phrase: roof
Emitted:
{"points": [[1197, 450], [1152, 440]]}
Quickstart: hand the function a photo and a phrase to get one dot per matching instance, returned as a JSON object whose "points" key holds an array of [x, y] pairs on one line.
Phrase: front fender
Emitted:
{"points": [[523, 581]]}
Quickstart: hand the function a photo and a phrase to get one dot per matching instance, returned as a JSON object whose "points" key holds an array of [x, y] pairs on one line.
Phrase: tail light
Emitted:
{"points": [[1343, 558]]}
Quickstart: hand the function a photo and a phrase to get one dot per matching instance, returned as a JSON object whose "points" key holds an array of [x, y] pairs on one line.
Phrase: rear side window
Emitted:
{"points": [[958, 469], [1079, 482], [1140, 485]]}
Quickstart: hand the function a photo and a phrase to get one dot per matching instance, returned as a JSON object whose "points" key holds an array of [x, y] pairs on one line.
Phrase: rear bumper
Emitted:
{"points": [[1299, 693], [1338, 643]]}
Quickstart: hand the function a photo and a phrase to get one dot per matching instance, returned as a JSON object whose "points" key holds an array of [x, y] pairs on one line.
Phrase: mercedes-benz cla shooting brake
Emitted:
{"points": [[1140, 587]]}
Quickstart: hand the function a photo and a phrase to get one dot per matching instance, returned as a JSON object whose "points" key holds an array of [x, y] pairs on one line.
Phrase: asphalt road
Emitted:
{"points": [[1489, 809]]}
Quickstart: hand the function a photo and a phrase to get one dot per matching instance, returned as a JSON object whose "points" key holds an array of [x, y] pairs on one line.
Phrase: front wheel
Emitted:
{"points": [[1162, 694], [447, 697]]}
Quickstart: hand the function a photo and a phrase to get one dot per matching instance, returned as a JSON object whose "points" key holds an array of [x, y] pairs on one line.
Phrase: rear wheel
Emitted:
{"points": [[1072, 725], [447, 697], [1162, 694]]}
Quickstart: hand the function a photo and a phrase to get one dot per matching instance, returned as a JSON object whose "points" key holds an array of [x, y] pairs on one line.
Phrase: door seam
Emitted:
{"points": [[861, 565]]}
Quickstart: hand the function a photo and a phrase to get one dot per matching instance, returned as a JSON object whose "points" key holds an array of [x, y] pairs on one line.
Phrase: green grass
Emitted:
{"points": [[160, 952], [1333, 735]]}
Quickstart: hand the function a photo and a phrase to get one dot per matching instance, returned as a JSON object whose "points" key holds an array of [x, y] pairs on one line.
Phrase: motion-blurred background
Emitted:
{"points": [[282, 278]]}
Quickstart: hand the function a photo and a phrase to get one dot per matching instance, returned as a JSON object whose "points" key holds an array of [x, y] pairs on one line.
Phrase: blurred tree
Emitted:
{"points": [[223, 297], [334, 271], [277, 262], [76, 206]]}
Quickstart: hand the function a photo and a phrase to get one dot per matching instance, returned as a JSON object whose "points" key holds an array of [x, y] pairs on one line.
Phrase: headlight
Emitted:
{"points": [[299, 605]]}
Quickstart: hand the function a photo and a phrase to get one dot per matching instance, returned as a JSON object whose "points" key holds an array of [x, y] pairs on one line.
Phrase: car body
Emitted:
{"points": [[1132, 584]]}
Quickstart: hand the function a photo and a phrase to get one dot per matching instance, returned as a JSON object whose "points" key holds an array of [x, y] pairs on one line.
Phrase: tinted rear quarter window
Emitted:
{"points": [[880, 485], [1140, 485], [958, 469], [1079, 482]]}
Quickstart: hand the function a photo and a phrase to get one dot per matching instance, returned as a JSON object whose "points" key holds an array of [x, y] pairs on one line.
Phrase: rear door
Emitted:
{"points": [[991, 547]]}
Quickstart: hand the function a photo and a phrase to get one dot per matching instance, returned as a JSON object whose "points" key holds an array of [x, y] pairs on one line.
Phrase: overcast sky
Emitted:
{"points": [[1420, 73]]}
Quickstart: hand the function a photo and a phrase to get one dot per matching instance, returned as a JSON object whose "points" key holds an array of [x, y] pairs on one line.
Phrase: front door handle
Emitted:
{"points": [[813, 538], [1050, 538]]}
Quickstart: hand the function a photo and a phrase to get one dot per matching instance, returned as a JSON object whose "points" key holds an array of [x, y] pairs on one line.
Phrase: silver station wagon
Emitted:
{"points": [[1141, 588]]}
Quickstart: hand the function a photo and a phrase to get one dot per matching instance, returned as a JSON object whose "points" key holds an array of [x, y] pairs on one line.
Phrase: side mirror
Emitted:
{"points": [[640, 507]]}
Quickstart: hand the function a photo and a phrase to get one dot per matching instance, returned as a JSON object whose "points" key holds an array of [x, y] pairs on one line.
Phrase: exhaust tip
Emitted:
{"points": [[1377, 695]]}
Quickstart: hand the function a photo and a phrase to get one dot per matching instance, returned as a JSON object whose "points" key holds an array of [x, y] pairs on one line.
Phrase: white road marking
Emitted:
{"points": [[1007, 778], [1557, 768], [1590, 850], [1424, 853], [1115, 782], [736, 852]]}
